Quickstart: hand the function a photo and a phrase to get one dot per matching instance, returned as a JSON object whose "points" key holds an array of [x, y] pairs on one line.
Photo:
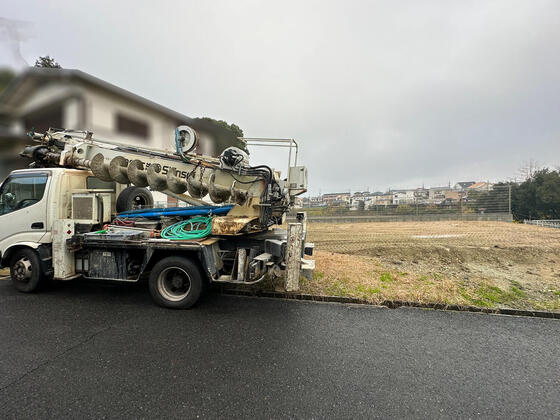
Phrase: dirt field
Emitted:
{"points": [[490, 264]]}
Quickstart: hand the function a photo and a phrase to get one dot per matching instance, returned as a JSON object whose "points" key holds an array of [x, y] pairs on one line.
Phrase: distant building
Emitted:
{"points": [[462, 186], [421, 195], [453, 196], [363, 200], [445, 196], [333, 199], [298, 202], [403, 196], [316, 201], [437, 194], [382, 200], [481, 186]]}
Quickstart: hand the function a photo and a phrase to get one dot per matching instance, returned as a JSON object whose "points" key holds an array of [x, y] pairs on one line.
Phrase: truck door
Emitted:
{"points": [[23, 208]]}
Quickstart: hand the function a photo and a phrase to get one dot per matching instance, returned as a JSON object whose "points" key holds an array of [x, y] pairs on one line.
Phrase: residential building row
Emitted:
{"points": [[365, 199]]}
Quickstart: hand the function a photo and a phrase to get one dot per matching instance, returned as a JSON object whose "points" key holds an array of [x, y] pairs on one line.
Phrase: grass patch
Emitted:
{"points": [[375, 279], [339, 288], [492, 296], [517, 284], [366, 292], [386, 278]]}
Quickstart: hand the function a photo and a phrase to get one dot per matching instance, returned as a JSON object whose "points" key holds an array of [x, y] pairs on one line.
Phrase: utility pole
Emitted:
{"points": [[509, 199]]}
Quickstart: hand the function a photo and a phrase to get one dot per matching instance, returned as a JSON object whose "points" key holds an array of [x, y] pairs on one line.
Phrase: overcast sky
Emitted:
{"points": [[378, 93]]}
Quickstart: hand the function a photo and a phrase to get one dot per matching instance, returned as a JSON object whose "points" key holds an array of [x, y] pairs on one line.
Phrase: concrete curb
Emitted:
{"points": [[394, 304], [391, 304]]}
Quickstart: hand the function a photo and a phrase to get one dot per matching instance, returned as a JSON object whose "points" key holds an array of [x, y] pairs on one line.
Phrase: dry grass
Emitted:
{"points": [[476, 263]]}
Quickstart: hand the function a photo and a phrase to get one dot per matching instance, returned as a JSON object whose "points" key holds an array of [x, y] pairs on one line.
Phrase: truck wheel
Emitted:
{"points": [[134, 197], [26, 271], [175, 282]]}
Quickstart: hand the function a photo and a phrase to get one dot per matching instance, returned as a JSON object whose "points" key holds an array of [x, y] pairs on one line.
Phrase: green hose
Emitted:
{"points": [[194, 228]]}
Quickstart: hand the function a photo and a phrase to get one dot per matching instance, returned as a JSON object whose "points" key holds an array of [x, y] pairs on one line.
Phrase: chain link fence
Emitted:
{"points": [[489, 200]]}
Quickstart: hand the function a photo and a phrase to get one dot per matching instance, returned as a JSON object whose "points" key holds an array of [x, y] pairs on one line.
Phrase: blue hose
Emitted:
{"points": [[176, 211]]}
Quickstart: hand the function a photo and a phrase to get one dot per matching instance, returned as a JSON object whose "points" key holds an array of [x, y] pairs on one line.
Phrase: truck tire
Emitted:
{"points": [[134, 197], [26, 271], [175, 282]]}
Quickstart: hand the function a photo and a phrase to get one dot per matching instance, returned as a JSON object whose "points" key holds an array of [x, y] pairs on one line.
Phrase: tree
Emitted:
{"points": [[47, 62], [224, 134], [6, 76], [538, 197]]}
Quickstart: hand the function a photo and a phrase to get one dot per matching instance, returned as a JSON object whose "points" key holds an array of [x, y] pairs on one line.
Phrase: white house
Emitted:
{"points": [[40, 98], [403, 196]]}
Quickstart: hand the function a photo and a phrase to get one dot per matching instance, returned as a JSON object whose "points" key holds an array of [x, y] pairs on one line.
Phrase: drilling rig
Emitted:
{"points": [[98, 230]]}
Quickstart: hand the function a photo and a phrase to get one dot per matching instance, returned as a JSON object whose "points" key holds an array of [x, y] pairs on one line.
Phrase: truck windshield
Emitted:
{"points": [[20, 191]]}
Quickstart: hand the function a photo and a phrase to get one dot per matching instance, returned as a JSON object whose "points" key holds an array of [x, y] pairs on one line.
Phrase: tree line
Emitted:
{"points": [[538, 197]]}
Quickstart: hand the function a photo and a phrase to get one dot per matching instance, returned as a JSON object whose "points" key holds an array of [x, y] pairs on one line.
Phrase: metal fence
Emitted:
{"points": [[494, 200], [552, 223]]}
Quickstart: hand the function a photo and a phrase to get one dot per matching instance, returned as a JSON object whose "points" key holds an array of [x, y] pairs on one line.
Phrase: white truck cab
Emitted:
{"points": [[32, 200], [24, 198]]}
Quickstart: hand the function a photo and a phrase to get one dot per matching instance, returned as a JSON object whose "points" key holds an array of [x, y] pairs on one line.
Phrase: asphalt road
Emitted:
{"points": [[85, 350]]}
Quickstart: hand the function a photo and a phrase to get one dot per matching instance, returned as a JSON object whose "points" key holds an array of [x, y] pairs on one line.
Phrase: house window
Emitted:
{"points": [[44, 119], [127, 125]]}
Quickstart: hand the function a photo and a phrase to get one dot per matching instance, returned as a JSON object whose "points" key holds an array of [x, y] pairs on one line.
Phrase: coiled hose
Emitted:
{"points": [[194, 228]]}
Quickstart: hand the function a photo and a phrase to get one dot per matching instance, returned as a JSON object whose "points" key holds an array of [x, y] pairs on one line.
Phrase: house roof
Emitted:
{"points": [[465, 184], [35, 76], [402, 191], [334, 194], [478, 185]]}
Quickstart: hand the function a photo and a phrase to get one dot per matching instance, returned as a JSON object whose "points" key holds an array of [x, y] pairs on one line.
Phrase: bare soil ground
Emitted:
{"points": [[487, 264]]}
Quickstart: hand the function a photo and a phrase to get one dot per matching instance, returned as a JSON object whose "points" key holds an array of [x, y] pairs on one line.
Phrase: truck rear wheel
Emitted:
{"points": [[26, 271], [175, 282]]}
